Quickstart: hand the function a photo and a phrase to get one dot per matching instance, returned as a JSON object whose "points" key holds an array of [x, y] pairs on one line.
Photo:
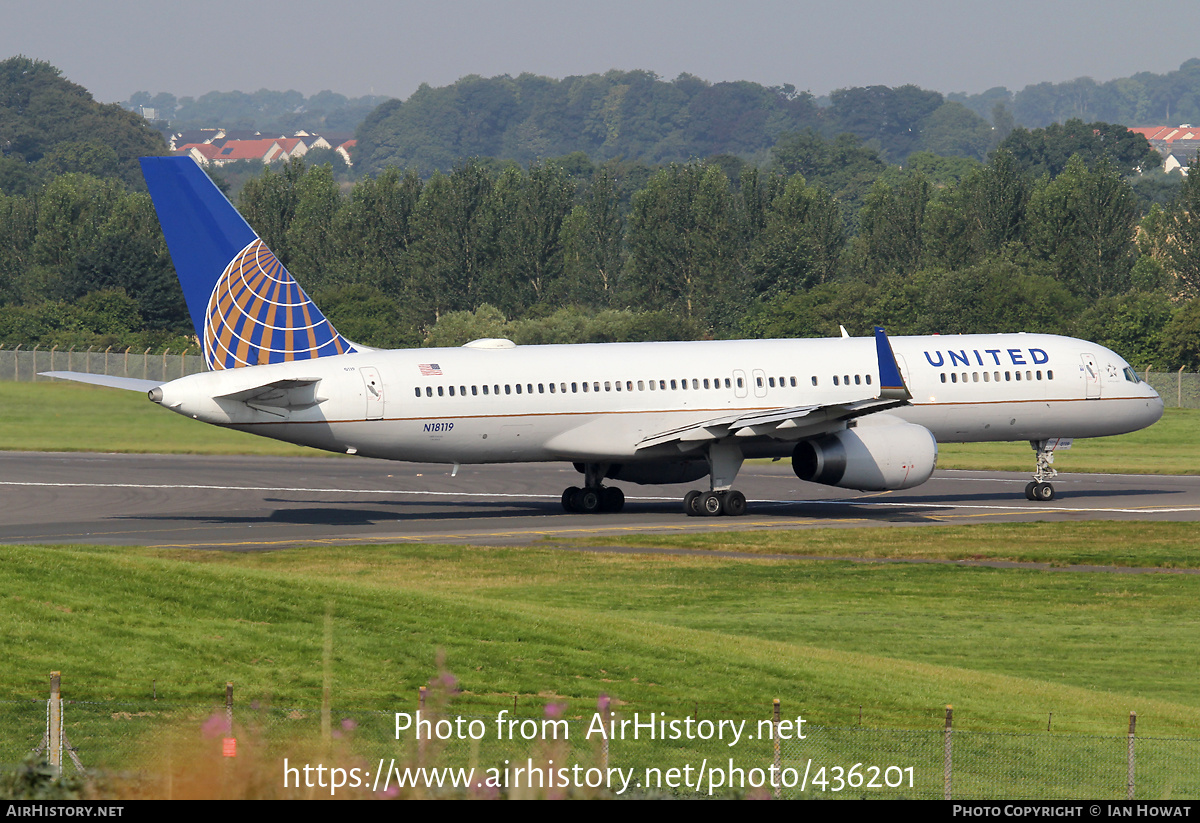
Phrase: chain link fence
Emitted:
{"points": [[642, 755], [23, 365], [1178, 389]]}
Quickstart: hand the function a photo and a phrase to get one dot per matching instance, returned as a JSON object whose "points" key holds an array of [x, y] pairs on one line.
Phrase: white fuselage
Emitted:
{"points": [[597, 402]]}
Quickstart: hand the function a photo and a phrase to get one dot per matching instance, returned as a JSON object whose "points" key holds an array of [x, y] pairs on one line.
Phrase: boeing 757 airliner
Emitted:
{"points": [[860, 413]]}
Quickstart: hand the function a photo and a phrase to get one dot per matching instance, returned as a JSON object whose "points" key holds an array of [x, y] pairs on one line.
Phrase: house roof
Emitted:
{"points": [[244, 150]]}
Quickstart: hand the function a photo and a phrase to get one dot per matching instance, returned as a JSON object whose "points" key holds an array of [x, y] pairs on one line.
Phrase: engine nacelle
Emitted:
{"points": [[882, 454]]}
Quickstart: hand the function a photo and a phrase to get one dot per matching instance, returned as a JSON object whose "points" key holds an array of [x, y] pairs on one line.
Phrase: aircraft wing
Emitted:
{"points": [[127, 383], [797, 421], [776, 424]]}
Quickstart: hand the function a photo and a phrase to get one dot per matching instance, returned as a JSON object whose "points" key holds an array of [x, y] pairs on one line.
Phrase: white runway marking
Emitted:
{"points": [[493, 495]]}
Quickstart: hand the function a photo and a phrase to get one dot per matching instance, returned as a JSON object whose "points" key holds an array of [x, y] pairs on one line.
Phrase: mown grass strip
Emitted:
{"points": [[659, 633], [1125, 544]]}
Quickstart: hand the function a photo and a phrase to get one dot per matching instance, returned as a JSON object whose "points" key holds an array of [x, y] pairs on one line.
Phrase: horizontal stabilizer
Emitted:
{"points": [[127, 383]]}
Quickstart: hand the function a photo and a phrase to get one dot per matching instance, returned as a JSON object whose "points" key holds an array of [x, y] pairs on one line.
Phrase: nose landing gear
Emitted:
{"points": [[1040, 489]]}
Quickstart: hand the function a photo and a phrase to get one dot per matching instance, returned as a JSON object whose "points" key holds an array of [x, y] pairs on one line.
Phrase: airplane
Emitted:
{"points": [[862, 413]]}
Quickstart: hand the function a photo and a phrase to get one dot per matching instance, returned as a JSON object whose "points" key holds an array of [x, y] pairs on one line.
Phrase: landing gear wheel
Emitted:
{"points": [[691, 503], [1029, 490], [589, 500], [1043, 491], [710, 504], [612, 499], [734, 504], [569, 499]]}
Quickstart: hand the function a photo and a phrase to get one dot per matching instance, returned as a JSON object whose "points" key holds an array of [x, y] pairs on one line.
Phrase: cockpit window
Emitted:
{"points": [[1131, 375]]}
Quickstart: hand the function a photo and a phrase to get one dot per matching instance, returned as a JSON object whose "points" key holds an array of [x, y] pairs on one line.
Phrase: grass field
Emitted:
{"points": [[681, 634], [1004, 646], [684, 635]]}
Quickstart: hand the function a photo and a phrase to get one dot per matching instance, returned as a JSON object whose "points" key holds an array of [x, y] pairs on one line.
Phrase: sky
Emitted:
{"points": [[118, 47]]}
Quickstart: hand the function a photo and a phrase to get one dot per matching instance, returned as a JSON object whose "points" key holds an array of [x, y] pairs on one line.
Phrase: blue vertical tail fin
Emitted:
{"points": [[246, 309]]}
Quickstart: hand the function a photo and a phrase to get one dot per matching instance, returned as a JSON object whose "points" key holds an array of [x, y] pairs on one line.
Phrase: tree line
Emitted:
{"points": [[571, 251]]}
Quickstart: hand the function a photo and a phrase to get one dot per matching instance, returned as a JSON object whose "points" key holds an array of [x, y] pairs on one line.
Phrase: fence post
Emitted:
{"points": [[775, 737], [55, 348], [33, 372], [947, 754], [1129, 782], [54, 732], [164, 368], [146, 363], [602, 704], [17, 362], [106, 351], [182, 361], [1180, 388]]}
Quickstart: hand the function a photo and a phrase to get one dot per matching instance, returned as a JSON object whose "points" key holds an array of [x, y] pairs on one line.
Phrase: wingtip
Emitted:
{"points": [[891, 382]]}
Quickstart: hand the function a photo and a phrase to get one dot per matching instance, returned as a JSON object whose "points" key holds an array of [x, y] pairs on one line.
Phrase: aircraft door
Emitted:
{"points": [[1091, 376], [374, 392], [739, 383], [904, 373], [759, 381]]}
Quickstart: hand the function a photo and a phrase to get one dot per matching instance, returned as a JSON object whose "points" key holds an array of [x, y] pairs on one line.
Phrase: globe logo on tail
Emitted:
{"points": [[258, 314]]}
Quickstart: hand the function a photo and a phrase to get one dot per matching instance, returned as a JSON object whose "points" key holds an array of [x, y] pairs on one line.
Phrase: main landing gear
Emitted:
{"points": [[724, 461], [1040, 490], [593, 498], [731, 503]]}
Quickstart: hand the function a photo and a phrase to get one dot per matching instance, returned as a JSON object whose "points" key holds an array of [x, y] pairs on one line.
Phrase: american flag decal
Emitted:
{"points": [[430, 369]]}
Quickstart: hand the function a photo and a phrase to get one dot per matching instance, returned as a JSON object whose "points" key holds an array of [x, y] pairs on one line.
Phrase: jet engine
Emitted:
{"points": [[878, 454]]}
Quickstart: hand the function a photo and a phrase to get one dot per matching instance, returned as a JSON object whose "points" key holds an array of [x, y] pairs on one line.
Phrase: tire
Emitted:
{"points": [[568, 499], [590, 500], [734, 504], [691, 503], [612, 499], [1029, 490], [1043, 492], [710, 504]]}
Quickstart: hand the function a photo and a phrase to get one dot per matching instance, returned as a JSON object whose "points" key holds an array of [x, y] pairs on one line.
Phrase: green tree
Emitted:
{"points": [[1082, 225], [455, 227], [531, 209], [1181, 234], [891, 226], [684, 245], [801, 241], [376, 231], [593, 245]]}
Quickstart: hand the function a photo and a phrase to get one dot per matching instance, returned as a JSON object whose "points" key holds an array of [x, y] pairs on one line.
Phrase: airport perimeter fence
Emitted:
{"points": [[21, 363], [24, 364], [139, 747]]}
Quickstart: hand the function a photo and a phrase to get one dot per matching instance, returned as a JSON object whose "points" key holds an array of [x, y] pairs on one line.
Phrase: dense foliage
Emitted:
{"points": [[634, 114], [1143, 99], [1047, 235], [271, 112], [50, 126]]}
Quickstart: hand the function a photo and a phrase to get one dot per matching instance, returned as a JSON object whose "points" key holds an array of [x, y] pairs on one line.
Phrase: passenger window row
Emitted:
{"points": [[678, 384], [994, 377]]}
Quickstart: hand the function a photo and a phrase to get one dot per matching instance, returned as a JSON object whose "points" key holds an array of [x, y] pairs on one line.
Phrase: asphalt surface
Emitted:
{"points": [[257, 503]]}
